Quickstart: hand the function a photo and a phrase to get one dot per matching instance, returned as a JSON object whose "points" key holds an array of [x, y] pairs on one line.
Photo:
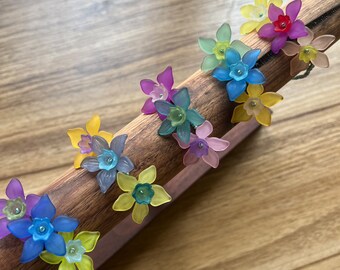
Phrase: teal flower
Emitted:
{"points": [[216, 49], [179, 116]]}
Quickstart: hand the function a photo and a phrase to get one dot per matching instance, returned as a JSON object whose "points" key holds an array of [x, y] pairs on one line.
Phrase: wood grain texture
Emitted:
{"points": [[75, 58]]}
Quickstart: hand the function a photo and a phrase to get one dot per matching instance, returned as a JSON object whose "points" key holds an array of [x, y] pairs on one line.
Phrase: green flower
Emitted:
{"points": [[75, 249], [216, 49]]}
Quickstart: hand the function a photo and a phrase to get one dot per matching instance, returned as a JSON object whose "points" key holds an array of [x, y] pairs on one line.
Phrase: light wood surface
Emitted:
{"points": [[273, 203]]}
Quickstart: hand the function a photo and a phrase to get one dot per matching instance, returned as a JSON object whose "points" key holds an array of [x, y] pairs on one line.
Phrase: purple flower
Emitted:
{"points": [[202, 146], [283, 26], [16, 207], [42, 231], [85, 144], [160, 90]]}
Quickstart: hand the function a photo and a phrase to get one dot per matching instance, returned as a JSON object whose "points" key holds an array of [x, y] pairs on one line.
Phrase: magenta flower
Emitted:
{"points": [[202, 146], [160, 90], [283, 26], [16, 207]]}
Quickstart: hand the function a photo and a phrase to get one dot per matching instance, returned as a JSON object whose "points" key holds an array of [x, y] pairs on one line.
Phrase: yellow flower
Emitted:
{"points": [[140, 193], [255, 103], [75, 249], [257, 15], [81, 136]]}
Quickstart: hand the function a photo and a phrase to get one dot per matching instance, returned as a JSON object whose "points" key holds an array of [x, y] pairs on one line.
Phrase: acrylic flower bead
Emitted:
{"points": [[202, 146], [283, 26], [178, 116], [75, 248], [42, 231], [81, 139], [16, 207], [257, 15], [308, 50], [160, 90], [140, 193], [255, 104], [239, 72], [216, 49], [108, 161]]}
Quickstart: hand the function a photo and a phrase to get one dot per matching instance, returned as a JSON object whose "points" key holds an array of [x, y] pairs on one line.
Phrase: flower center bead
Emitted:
{"points": [[253, 106], [307, 53], [41, 229], [239, 71], [85, 144], [74, 251], [177, 116], [159, 92], [283, 24], [14, 209], [143, 193], [220, 48], [199, 148], [107, 160]]}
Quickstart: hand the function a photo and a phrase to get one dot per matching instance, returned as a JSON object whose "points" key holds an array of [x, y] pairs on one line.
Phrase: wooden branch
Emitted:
{"points": [[76, 193]]}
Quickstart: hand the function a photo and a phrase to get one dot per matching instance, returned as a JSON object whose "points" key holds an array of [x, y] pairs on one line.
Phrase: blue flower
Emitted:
{"points": [[108, 161], [41, 232], [179, 116], [239, 72]]}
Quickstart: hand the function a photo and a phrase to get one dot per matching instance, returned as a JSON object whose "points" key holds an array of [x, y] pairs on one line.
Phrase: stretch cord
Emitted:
{"points": [[306, 74]]}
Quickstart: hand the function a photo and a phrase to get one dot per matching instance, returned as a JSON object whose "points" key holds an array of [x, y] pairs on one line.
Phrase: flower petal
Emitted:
{"points": [[160, 197], [125, 165], [224, 33], [297, 30], [195, 118], [217, 144], [15, 190], [147, 86], [124, 202], [255, 90], [163, 107], [139, 212], [55, 244], [44, 208], [182, 98], [267, 31], [85, 264], [212, 158], [65, 224], [99, 144], [180, 143], [88, 239], [291, 48], [126, 182], [3, 228], [277, 3], [274, 12], [232, 56], [75, 136], [206, 45], [19, 227], [93, 125], [183, 132], [269, 99], [247, 11], [148, 175], [166, 78], [209, 63], [118, 144], [264, 117], [255, 76], [31, 201], [296, 65], [31, 250], [148, 107], [242, 98], [222, 74], [240, 115], [166, 128], [204, 130], [3, 203], [67, 236], [50, 258], [265, 21], [65, 265], [189, 158], [240, 47], [105, 179], [235, 89], [278, 43], [293, 9], [251, 57], [304, 41], [91, 164], [321, 60], [106, 135], [323, 42], [79, 159]]}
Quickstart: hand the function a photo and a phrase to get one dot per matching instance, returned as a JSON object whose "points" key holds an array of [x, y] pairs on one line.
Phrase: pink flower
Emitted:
{"points": [[283, 26], [160, 90], [202, 146]]}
